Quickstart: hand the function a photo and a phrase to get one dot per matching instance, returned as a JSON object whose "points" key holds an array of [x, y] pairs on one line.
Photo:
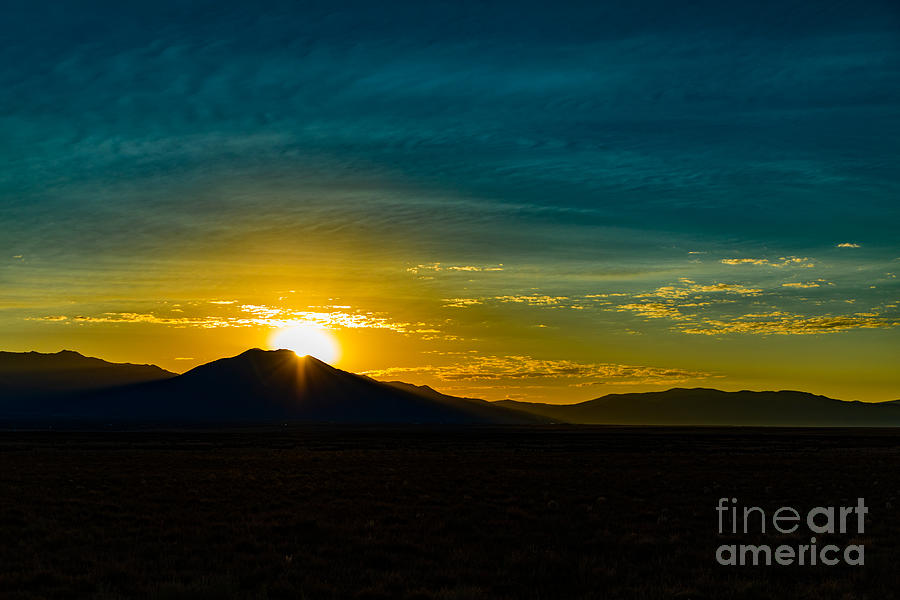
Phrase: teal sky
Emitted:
{"points": [[498, 199]]}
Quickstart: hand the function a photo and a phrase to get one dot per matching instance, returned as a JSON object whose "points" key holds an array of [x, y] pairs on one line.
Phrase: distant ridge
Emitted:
{"points": [[276, 385], [702, 406], [38, 374]]}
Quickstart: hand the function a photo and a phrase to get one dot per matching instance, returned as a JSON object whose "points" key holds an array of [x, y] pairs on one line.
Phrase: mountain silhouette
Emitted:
{"points": [[701, 406], [260, 385], [32, 378], [277, 385]]}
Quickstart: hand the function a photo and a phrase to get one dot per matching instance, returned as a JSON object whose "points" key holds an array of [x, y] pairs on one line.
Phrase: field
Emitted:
{"points": [[452, 514]]}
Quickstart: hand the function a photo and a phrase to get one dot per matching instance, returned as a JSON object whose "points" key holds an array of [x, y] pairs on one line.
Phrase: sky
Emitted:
{"points": [[538, 201]]}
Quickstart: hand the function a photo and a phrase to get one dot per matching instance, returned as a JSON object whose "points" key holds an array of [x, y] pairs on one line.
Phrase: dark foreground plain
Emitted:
{"points": [[431, 513]]}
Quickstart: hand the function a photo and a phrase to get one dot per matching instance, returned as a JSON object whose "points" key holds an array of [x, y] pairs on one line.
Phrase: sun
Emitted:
{"points": [[307, 339]]}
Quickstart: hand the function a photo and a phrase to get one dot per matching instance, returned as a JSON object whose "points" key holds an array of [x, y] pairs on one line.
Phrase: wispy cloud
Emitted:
{"points": [[462, 302], [528, 299], [609, 295], [784, 261], [745, 261], [670, 302], [780, 323], [653, 310], [847, 245], [497, 368], [532, 299], [695, 309], [690, 288], [258, 315], [799, 284], [438, 267], [131, 317]]}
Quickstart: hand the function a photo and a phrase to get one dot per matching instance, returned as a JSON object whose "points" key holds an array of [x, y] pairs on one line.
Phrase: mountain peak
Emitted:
{"points": [[256, 362], [280, 356], [261, 352], [281, 352]]}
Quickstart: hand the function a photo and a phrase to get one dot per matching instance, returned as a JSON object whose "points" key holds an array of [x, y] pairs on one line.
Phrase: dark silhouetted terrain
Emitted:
{"points": [[431, 513], [701, 406], [67, 371], [265, 386], [30, 380]]}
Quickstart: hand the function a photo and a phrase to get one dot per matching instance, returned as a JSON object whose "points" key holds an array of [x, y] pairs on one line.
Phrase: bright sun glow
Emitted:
{"points": [[308, 339]]}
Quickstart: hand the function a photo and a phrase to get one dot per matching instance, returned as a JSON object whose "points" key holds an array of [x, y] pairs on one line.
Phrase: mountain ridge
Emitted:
{"points": [[709, 406], [40, 373]]}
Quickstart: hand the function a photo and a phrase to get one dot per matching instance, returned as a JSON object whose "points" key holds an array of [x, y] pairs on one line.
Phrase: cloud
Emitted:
{"points": [[745, 261], [515, 367], [667, 307], [847, 245], [438, 267], [279, 317], [670, 307], [668, 302], [783, 261], [689, 288], [258, 315], [532, 299], [653, 310], [131, 317], [462, 302], [529, 299], [780, 323], [474, 268], [222, 301]]}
